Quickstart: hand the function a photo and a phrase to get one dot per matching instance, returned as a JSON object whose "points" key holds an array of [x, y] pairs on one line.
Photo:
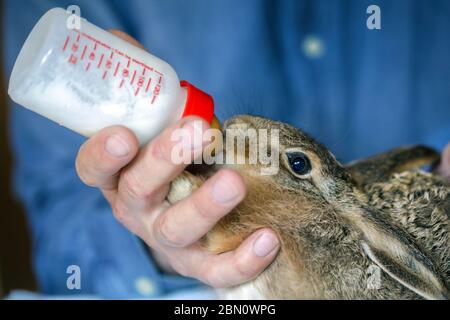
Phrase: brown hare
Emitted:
{"points": [[374, 229]]}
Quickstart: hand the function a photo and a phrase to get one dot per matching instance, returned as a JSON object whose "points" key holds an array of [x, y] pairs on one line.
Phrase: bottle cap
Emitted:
{"points": [[198, 103]]}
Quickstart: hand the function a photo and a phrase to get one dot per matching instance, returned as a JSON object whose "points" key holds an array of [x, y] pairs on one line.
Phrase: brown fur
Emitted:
{"points": [[340, 222]]}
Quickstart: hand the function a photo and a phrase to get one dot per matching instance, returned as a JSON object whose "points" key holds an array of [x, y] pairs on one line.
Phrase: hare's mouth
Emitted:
{"points": [[236, 128], [202, 169]]}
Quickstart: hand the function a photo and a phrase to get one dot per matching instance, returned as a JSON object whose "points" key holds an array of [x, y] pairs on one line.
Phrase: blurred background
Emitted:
{"points": [[15, 246]]}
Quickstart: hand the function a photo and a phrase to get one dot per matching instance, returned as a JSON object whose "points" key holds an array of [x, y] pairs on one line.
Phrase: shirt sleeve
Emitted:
{"points": [[71, 224]]}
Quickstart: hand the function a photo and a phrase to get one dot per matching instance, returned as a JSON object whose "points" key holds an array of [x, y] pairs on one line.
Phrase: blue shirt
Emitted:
{"points": [[311, 63]]}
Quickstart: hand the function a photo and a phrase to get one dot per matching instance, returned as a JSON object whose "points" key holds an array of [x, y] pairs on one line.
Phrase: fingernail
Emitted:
{"points": [[116, 146], [223, 191], [265, 244], [192, 135]]}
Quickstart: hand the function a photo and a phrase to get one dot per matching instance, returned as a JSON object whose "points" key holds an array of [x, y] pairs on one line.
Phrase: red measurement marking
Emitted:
{"points": [[100, 62], [84, 52], [141, 64], [92, 56], [148, 84], [97, 42], [73, 59], [104, 75], [113, 50], [141, 81], [121, 83], [117, 69], [156, 90], [65, 43], [137, 91], [75, 47]]}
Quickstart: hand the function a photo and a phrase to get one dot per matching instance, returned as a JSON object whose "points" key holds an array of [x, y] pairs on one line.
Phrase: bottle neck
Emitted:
{"points": [[197, 103]]}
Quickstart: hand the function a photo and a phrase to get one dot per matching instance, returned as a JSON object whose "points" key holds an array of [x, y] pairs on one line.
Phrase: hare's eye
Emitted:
{"points": [[299, 163]]}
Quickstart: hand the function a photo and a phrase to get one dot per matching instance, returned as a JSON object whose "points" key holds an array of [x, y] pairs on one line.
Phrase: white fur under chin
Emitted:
{"points": [[252, 290], [180, 188]]}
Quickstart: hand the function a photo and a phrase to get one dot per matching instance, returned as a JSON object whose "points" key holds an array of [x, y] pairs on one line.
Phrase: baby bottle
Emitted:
{"points": [[86, 78]]}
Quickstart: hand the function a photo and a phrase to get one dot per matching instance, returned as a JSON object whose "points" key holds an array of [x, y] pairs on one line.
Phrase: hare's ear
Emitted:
{"points": [[381, 166], [395, 252]]}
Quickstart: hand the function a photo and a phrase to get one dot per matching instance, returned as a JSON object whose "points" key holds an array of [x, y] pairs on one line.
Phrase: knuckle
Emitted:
{"points": [[157, 149], [214, 280], [134, 187], [121, 213], [167, 234], [181, 268], [128, 219], [244, 268]]}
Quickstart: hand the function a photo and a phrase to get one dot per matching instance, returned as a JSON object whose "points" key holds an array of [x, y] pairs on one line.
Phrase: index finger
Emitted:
{"points": [[160, 161]]}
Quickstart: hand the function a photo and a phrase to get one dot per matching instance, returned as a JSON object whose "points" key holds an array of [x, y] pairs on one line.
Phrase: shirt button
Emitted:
{"points": [[312, 47], [145, 286]]}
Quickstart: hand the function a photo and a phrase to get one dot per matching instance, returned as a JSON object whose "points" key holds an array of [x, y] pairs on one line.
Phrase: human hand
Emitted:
{"points": [[135, 182]]}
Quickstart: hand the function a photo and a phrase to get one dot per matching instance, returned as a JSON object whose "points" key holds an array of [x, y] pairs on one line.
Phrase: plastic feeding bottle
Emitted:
{"points": [[86, 79]]}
